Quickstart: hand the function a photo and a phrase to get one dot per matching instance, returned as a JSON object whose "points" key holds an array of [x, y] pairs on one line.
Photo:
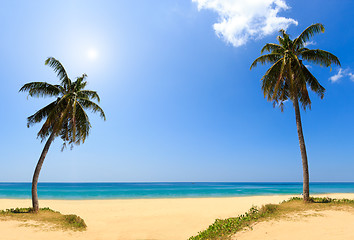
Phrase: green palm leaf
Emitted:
{"points": [[268, 58], [320, 57], [41, 89], [272, 47], [60, 70], [89, 95], [87, 104], [41, 114], [308, 33]]}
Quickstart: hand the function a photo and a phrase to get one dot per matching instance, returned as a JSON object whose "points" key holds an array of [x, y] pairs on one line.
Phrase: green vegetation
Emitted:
{"points": [[224, 228], [288, 79], [44, 216], [64, 117]]}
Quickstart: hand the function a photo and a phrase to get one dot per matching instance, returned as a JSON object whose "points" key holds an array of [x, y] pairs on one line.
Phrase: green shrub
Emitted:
{"points": [[48, 215], [223, 228], [75, 221]]}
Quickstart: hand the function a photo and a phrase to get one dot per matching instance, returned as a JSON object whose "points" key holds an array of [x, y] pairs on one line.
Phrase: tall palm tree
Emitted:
{"points": [[64, 117], [288, 79]]}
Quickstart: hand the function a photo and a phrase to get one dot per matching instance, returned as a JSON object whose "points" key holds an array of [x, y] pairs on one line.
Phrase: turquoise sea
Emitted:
{"points": [[164, 189]]}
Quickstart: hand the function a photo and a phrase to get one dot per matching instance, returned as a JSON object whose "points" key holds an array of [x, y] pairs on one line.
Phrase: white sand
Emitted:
{"points": [[137, 219], [324, 225]]}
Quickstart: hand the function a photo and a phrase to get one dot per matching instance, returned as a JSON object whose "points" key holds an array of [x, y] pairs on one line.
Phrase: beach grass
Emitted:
{"points": [[223, 229], [45, 217]]}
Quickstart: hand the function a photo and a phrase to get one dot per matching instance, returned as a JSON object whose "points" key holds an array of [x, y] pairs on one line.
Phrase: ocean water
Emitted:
{"points": [[164, 189]]}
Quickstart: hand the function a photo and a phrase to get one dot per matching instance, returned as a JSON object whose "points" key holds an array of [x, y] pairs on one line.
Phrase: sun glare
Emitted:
{"points": [[92, 54]]}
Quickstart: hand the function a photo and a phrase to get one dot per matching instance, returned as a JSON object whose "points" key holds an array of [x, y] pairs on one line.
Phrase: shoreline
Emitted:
{"points": [[164, 190], [174, 197], [131, 219]]}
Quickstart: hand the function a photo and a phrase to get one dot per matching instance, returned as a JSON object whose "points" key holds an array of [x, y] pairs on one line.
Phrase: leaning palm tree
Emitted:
{"points": [[64, 117], [289, 79]]}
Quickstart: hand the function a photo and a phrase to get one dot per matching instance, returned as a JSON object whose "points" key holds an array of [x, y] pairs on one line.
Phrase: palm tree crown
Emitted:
{"points": [[65, 116], [288, 77]]}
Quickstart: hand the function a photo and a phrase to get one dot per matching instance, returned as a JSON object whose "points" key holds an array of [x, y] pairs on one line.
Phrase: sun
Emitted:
{"points": [[92, 54]]}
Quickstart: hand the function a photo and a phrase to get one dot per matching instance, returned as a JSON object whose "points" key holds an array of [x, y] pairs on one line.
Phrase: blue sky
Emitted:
{"points": [[174, 81]]}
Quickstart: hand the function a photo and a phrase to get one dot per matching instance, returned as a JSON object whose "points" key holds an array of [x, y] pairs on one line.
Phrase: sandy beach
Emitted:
{"points": [[324, 225], [172, 219]]}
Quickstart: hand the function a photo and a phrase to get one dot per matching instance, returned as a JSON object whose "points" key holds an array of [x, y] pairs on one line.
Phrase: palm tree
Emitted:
{"points": [[289, 79], [64, 117]]}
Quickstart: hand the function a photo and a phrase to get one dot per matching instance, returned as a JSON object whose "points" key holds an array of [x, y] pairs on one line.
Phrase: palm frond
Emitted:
{"points": [[300, 50], [304, 98], [283, 33], [41, 89], [54, 119], [82, 78], [60, 70], [272, 47], [270, 78], [300, 83], [280, 78], [268, 58], [83, 124], [320, 57], [87, 104], [280, 40], [79, 129], [313, 83], [41, 114], [80, 83], [284, 40], [89, 94], [308, 33]]}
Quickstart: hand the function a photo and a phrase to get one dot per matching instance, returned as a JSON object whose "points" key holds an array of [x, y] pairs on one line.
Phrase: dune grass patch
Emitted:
{"points": [[223, 229], [45, 216]]}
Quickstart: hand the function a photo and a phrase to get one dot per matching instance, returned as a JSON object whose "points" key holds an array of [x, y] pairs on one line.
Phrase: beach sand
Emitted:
{"points": [[324, 225], [139, 219]]}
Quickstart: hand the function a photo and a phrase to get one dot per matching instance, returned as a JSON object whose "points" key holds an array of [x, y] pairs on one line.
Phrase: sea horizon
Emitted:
{"points": [[158, 190]]}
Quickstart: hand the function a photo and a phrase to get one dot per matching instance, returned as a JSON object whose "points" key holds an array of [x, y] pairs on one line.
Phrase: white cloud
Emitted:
{"points": [[309, 43], [351, 76], [342, 73], [337, 76], [242, 20]]}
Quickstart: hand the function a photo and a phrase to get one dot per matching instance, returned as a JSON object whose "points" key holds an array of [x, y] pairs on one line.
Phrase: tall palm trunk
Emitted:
{"points": [[305, 167], [35, 203]]}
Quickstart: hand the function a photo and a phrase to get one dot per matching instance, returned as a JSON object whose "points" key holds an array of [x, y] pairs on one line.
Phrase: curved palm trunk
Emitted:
{"points": [[35, 203], [305, 167]]}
